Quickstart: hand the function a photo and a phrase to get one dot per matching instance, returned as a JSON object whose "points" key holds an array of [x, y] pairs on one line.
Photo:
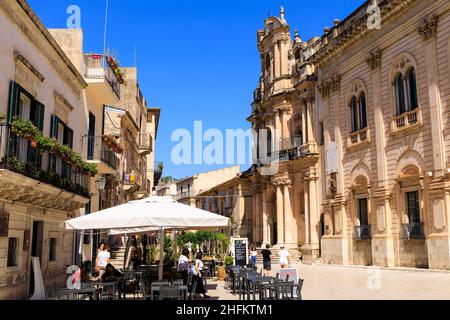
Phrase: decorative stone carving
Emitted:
{"points": [[325, 89], [281, 110], [336, 82], [282, 181], [310, 175], [374, 59], [427, 27], [330, 86]]}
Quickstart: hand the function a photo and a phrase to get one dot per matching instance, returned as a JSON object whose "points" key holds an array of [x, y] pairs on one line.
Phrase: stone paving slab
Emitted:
{"points": [[325, 282]]}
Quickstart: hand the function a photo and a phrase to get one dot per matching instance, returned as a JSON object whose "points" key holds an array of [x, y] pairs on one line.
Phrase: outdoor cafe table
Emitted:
{"points": [[183, 290]]}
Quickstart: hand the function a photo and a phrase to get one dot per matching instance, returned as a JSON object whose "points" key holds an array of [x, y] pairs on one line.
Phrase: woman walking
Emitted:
{"points": [[183, 265], [198, 276]]}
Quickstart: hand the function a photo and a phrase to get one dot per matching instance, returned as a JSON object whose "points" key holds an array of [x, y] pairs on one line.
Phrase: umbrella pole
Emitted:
{"points": [[175, 249], [161, 253]]}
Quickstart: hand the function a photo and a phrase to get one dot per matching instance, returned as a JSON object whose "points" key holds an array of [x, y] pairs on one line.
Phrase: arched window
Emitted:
{"points": [[400, 94], [362, 111], [354, 114], [413, 102]]}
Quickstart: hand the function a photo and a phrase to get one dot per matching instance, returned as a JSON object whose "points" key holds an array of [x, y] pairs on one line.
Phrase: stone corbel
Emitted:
{"points": [[374, 59], [427, 27], [283, 110], [336, 82], [21, 58], [282, 181]]}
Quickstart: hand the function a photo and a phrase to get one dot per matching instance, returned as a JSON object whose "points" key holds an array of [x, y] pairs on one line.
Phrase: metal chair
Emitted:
{"points": [[284, 290], [171, 293], [177, 282], [109, 291], [299, 289]]}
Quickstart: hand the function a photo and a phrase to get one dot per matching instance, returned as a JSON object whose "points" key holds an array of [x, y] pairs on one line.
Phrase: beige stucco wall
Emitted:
{"points": [[19, 34]]}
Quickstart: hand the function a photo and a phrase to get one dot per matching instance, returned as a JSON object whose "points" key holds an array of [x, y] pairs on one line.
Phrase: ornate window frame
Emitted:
{"points": [[410, 120], [361, 136]]}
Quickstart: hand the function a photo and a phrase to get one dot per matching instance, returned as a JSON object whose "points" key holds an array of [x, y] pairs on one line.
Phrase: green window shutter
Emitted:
{"points": [[68, 137], [12, 103], [54, 127], [41, 116]]}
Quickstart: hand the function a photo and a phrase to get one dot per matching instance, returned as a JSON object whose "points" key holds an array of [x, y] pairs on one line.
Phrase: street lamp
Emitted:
{"points": [[101, 183]]}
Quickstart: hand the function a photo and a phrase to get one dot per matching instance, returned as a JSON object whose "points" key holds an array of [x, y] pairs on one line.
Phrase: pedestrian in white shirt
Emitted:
{"points": [[284, 258], [103, 259]]}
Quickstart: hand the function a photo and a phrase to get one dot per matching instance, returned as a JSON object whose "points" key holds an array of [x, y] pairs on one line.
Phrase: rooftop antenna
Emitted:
{"points": [[104, 38]]}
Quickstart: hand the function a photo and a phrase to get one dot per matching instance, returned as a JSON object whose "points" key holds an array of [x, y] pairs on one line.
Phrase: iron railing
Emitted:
{"points": [[363, 232], [99, 150], [96, 68], [413, 231], [183, 195], [19, 155]]}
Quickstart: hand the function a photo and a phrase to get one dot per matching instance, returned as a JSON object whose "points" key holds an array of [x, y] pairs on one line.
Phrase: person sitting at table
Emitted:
{"points": [[198, 276], [113, 275]]}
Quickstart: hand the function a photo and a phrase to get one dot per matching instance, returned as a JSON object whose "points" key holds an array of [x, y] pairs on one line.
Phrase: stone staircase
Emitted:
{"points": [[118, 257], [294, 255]]}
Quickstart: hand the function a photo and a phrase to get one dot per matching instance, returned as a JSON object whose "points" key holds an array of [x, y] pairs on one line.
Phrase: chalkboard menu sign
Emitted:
{"points": [[240, 252]]}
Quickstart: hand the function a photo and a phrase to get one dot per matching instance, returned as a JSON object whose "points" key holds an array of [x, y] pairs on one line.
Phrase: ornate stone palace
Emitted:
{"points": [[358, 125]]}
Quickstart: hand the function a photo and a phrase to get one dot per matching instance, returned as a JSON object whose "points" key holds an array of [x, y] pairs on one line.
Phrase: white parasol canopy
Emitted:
{"points": [[149, 215]]}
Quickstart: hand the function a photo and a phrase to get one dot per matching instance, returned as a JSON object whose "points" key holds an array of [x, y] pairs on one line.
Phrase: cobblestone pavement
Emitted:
{"points": [[323, 282]]}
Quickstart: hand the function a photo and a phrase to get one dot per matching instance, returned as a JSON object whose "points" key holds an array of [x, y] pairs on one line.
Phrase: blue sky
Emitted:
{"points": [[196, 59]]}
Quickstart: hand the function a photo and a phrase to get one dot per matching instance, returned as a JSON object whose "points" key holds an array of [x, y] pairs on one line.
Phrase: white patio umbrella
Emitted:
{"points": [[149, 215]]}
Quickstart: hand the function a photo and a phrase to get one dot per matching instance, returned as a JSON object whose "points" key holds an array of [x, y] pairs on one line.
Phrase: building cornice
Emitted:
{"points": [[353, 28], [36, 22]]}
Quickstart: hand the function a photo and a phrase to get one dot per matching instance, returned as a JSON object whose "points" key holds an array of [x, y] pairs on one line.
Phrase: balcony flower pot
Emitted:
{"points": [[33, 144]]}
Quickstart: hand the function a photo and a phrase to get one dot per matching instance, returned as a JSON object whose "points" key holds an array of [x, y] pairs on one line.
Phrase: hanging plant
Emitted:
{"points": [[27, 130], [2, 116]]}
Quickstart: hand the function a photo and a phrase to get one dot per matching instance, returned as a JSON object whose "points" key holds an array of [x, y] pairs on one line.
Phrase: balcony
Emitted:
{"points": [[103, 75], [102, 154], [363, 232], [183, 195], [359, 137], [407, 120], [145, 144], [413, 231], [28, 176]]}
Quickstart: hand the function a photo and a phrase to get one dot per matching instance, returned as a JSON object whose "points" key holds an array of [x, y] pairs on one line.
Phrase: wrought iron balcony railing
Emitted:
{"points": [[413, 231], [363, 232], [20, 156], [97, 68], [99, 150]]}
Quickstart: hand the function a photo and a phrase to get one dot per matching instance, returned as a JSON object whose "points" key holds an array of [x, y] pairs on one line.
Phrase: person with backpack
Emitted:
{"points": [[183, 265]]}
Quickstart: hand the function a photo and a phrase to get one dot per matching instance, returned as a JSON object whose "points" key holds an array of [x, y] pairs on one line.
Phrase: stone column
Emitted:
{"points": [[309, 122], [254, 213], [265, 219], [278, 134], [276, 59], [313, 208], [382, 241], [278, 184], [307, 221], [259, 218], [428, 30], [304, 127], [289, 221]]}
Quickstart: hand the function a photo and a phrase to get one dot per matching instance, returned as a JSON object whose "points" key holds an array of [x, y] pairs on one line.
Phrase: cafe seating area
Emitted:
{"points": [[249, 284]]}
